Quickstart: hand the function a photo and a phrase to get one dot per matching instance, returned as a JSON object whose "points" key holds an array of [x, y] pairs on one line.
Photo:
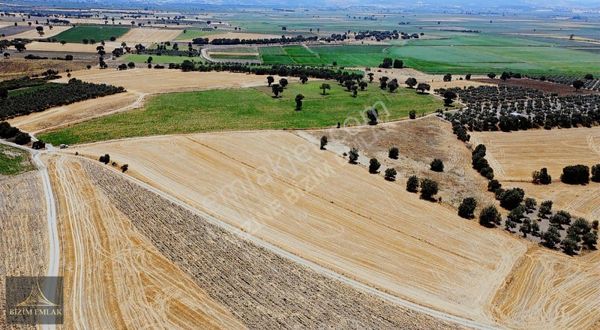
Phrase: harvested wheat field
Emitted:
{"points": [[76, 112], [583, 201], [48, 33], [282, 189], [18, 67], [209, 276], [549, 290], [139, 288], [515, 155], [419, 142], [164, 81], [149, 35], [23, 231], [70, 47]]}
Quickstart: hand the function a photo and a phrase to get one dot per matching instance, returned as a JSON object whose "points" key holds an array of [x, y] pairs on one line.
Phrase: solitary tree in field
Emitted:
{"points": [[541, 177], [270, 80], [447, 77], [363, 84], [412, 184], [323, 142], [437, 165], [353, 156], [412, 114], [428, 189], [423, 87], [393, 153], [491, 75], [276, 89], [390, 174], [283, 82], [374, 166], [393, 85], [467, 207], [298, 100], [325, 87], [383, 82], [490, 217], [370, 75], [578, 84]]}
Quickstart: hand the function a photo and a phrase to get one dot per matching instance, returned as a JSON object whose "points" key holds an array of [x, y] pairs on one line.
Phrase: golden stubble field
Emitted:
{"points": [[153, 81], [282, 189], [150, 35], [514, 156], [113, 275]]}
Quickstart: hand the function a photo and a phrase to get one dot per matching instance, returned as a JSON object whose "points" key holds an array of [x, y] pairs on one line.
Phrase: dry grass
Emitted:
{"points": [[149, 35], [164, 81], [419, 142], [24, 236], [113, 275], [18, 67], [282, 189]]}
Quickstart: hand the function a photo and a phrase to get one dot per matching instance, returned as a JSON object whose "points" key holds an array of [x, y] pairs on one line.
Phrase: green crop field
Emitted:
{"points": [[487, 53], [95, 32], [13, 161], [192, 34], [161, 59], [234, 57], [324, 55], [246, 109]]}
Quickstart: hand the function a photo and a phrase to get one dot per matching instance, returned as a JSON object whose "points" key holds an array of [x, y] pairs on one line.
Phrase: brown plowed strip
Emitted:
{"points": [[114, 277], [23, 232]]}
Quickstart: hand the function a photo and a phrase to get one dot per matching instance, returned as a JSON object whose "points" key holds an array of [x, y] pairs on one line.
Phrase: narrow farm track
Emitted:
{"points": [[113, 275]]}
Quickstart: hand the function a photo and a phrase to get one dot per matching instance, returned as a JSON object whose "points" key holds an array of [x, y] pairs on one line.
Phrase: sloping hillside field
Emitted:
{"points": [[282, 189], [163, 266]]}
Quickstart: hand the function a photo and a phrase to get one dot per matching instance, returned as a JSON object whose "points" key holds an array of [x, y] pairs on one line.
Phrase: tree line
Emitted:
{"points": [[51, 95]]}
